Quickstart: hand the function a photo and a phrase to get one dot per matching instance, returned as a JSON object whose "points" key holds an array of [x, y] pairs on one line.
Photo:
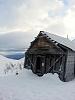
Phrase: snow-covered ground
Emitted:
{"points": [[28, 86], [10, 66]]}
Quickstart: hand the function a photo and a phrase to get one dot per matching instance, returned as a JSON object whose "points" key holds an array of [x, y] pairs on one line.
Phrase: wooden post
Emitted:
{"points": [[34, 65], [43, 65]]}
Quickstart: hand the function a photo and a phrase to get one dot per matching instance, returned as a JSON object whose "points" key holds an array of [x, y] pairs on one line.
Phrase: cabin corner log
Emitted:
{"points": [[46, 55]]}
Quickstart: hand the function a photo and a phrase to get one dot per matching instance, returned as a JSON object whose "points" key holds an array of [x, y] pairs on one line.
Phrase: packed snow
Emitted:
{"points": [[27, 86]]}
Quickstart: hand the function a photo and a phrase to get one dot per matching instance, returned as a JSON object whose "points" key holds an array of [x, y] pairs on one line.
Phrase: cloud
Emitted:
{"points": [[56, 16], [71, 3], [38, 10], [8, 13], [69, 22], [27, 14], [16, 40]]}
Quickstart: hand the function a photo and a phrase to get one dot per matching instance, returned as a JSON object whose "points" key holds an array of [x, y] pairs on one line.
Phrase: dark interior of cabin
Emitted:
{"points": [[38, 64], [49, 63]]}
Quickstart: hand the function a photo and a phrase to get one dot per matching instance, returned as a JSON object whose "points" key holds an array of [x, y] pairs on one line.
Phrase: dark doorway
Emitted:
{"points": [[38, 64]]}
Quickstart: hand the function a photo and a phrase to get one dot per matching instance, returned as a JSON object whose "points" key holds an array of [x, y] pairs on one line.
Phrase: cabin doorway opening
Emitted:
{"points": [[40, 68], [38, 64]]}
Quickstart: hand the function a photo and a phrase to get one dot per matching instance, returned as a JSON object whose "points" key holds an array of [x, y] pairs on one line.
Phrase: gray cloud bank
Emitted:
{"points": [[19, 19], [15, 40]]}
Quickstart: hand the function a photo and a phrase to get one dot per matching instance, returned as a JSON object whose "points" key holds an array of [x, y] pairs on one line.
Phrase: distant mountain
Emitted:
{"points": [[15, 40]]}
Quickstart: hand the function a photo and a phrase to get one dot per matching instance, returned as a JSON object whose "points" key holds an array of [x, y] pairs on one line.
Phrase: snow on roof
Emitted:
{"points": [[64, 41]]}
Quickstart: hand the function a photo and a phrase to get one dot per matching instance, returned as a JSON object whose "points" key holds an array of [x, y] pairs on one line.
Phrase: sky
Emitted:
{"points": [[32, 16]]}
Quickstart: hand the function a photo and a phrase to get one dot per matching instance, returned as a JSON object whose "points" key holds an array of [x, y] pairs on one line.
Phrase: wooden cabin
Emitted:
{"points": [[50, 53]]}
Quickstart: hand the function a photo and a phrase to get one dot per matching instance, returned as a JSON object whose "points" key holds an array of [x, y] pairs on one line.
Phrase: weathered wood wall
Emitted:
{"points": [[70, 66], [62, 68]]}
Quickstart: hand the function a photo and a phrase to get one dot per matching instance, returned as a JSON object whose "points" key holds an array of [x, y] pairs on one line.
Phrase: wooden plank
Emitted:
{"points": [[54, 63]]}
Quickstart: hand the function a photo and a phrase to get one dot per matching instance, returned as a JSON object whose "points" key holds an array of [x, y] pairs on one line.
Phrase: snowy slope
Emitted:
{"points": [[73, 41], [9, 66]]}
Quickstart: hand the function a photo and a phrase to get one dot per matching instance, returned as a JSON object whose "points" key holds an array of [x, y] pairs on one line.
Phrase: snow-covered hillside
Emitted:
{"points": [[10, 66]]}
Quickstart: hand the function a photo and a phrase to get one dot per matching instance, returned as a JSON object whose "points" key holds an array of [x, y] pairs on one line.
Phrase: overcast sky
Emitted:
{"points": [[31, 16]]}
